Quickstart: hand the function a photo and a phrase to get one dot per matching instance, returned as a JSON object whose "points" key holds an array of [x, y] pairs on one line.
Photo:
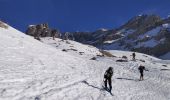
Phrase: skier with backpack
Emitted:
{"points": [[133, 55], [107, 78], [141, 68]]}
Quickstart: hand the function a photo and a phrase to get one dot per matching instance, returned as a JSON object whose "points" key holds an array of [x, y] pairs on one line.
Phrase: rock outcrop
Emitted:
{"points": [[3, 25], [42, 30]]}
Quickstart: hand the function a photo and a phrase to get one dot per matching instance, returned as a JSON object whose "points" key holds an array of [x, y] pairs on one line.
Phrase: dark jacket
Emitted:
{"points": [[141, 69], [108, 73]]}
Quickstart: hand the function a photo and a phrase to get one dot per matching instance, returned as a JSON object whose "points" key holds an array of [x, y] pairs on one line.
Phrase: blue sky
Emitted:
{"points": [[78, 15]]}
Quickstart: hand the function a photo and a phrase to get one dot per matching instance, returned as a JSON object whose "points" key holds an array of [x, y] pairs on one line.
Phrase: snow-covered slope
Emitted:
{"points": [[72, 47], [62, 70], [29, 68]]}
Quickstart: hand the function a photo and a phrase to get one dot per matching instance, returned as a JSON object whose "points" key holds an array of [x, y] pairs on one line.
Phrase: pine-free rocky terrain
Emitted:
{"points": [[63, 70]]}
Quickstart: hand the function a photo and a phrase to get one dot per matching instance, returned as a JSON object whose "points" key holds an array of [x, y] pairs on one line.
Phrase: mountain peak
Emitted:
{"points": [[142, 21]]}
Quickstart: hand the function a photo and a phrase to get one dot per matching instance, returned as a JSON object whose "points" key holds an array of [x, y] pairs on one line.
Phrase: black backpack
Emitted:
{"points": [[108, 73]]}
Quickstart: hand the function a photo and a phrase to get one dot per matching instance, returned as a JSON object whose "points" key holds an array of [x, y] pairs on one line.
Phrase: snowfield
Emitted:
{"points": [[63, 70]]}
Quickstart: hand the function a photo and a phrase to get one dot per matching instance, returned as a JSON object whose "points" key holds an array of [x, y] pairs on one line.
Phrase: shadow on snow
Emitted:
{"points": [[130, 79]]}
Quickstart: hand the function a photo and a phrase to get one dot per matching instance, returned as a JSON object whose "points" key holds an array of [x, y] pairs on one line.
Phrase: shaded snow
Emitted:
{"points": [[111, 41], [154, 31], [129, 31], [103, 29], [149, 43], [113, 46], [151, 33], [120, 31], [167, 25], [166, 56]]}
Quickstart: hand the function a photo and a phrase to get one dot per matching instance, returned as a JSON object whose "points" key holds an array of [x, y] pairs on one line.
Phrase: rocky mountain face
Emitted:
{"points": [[42, 30], [96, 38], [149, 34]]}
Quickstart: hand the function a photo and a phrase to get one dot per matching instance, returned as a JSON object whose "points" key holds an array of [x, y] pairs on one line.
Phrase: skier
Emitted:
{"points": [[133, 55], [107, 78], [141, 69]]}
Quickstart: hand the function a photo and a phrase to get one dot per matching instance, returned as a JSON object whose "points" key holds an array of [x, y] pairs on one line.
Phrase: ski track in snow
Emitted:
{"points": [[33, 70]]}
